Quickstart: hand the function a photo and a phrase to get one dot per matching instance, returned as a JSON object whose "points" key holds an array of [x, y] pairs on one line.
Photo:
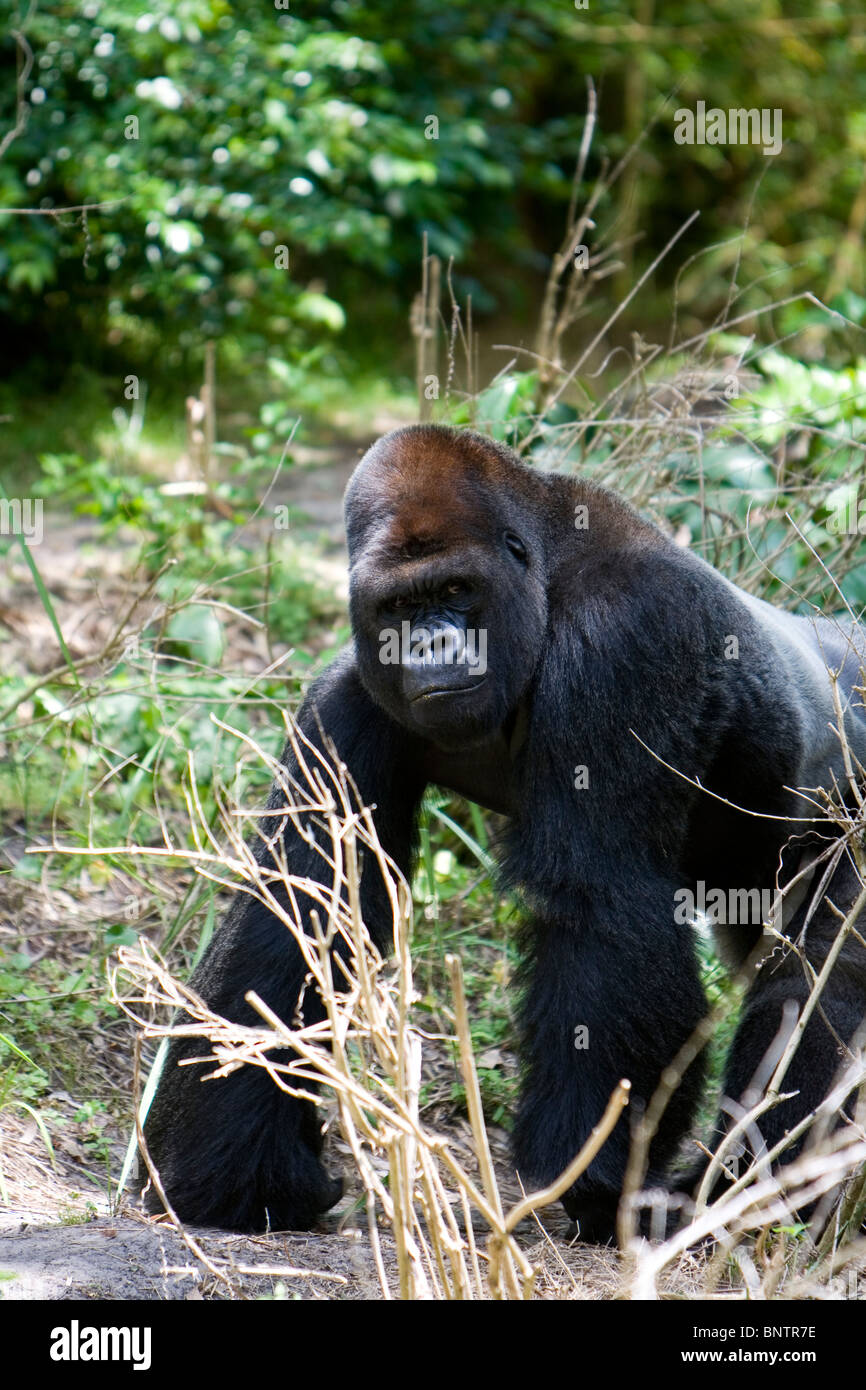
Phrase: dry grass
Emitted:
{"points": [[443, 1223]]}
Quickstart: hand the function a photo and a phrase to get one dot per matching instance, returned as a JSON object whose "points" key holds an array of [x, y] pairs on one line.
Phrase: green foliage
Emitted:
{"points": [[49, 1009], [256, 129], [774, 480], [506, 409], [91, 1118], [158, 700], [797, 394], [205, 136], [459, 909], [209, 548]]}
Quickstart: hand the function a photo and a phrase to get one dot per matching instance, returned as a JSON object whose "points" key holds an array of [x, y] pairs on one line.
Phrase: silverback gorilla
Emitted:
{"points": [[641, 722]]}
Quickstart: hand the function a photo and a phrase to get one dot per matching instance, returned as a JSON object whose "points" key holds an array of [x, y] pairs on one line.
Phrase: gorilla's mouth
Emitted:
{"points": [[436, 692]]}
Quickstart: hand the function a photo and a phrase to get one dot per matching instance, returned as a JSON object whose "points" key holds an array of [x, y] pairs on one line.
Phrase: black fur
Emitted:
{"points": [[603, 642]]}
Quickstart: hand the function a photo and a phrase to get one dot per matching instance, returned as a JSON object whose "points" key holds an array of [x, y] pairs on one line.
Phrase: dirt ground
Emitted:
{"points": [[90, 1254], [59, 1240]]}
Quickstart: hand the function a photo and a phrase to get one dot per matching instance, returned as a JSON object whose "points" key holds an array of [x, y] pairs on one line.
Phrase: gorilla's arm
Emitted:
{"points": [[238, 1152]]}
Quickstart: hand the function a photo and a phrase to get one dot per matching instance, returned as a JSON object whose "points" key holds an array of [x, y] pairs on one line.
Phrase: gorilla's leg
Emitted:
{"points": [[605, 1000], [783, 980], [238, 1152]]}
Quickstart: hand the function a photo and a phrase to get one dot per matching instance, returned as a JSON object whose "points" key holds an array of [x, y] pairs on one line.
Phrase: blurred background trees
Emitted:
{"points": [[212, 134]]}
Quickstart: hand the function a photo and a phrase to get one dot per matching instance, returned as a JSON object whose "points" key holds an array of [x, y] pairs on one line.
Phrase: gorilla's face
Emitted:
{"points": [[447, 602], [447, 644]]}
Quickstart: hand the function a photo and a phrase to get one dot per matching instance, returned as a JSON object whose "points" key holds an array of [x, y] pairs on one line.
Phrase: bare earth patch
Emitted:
{"points": [[59, 1241]]}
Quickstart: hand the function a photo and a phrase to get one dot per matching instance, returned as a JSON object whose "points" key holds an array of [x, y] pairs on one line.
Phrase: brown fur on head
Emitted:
{"points": [[430, 486]]}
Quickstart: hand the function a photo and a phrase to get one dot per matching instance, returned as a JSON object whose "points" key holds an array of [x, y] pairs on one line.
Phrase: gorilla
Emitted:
{"points": [[527, 640]]}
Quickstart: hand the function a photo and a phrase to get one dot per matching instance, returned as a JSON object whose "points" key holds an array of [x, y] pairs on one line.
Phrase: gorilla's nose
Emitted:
{"points": [[438, 661]]}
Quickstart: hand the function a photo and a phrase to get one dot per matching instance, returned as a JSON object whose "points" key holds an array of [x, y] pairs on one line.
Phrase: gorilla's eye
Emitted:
{"points": [[516, 546], [455, 588], [399, 601]]}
